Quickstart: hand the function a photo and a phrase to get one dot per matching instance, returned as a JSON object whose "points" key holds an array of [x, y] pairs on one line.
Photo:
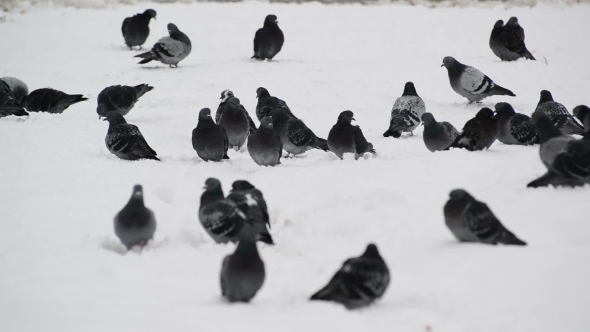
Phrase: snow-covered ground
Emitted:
{"points": [[63, 269]]}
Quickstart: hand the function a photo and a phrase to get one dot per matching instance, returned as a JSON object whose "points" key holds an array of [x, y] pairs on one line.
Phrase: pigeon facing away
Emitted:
{"points": [[359, 282], [296, 137], [8, 103], [135, 224], [136, 28], [120, 98], [251, 202], [346, 138], [268, 40], [209, 139], [264, 144], [225, 96], [406, 113], [507, 41], [471, 83], [267, 103], [50, 101], [19, 88], [582, 112], [125, 141], [559, 115], [438, 136], [235, 122], [479, 132], [472, 221], [515, 128], [169, 50]]}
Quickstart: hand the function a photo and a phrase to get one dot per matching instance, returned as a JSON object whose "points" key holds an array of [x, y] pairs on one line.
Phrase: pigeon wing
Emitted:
{"points": [[482, 222], [169, 47], [360, 142], [298, 133], [475, 82]]}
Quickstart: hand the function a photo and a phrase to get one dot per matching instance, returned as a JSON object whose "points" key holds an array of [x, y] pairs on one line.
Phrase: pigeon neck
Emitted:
{"points": [[135, 203], [547, 130], [545, 99], [410, 91], [247, 247], [343, 122], [180, 36], [211, 196], [116, 122], [455, 70], [205, 120]]}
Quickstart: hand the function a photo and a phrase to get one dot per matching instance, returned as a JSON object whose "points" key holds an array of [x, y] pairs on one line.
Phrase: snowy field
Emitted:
{"points": [[63, 269]]}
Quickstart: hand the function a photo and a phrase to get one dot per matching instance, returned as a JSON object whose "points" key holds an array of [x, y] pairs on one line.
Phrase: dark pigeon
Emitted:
{"points": [[19, 88], [582, 112], [225, 96], [235, 122], [471, 83], [515, 128], [472, 221], [438, 136], [359, 282], [267, 103], [169, 50], [209, 139], [507, 41], [8, 103], [268, 40], [251, 202], [479, 132], [296, 137], [50, 101], [346, 138], [120, 98], [135, 224], [125, 141], [264, 144], [559, 115], [136, 28], [406, 113]]}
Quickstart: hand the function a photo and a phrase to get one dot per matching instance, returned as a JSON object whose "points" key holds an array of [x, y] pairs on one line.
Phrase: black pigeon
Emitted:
{"points": [[267, 103], [125, 141], [225, 96], [235, 122], [136, 28], [169, 50], [438, 136], [19, 88], [515, 128], [406, 112], [264, 144], [50, 101], [507, 41], [135, 224], [559, 115], [479, 132], [472, 221], [268, 40], [120, 98], [251, 202], [346, 138], [296, 137], [359, 282], [582, 112], [209, 139], [8, 103]]}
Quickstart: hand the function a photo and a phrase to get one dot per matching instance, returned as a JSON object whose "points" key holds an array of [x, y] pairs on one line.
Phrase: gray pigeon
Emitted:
{"points": [[438, 136], [225, 96], [478, 133], [120, 98], [50, 101], [296, 137], [125, 141], [251, 202], [507, 41], [559, 115], [268, 40], [136, 28], [406, 113], [472, 221], [515, 128], [267, 103], [235, 122], [209, 139], [8, 103], [264, 144], [346, 138], [135, 224], [582, 112], [169, 50], [19, 88], [359, 282], [471, 83]]}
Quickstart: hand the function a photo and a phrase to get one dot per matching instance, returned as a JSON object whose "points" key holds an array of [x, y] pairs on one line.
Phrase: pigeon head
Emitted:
{"points": [[233, 101], [485, 113], [137, 192], [409, 90], [266, 122], [504, 109], [427, 118], [262, 93], [545, 127], [371, 251], [150, 13], [226, 94], [172, 28], [204, 114], [270, 20], [581, 112], [242, 185], [449, 62], [499, 23], [278, 116], [114, 118], [513, 20], [460, 194], [346, 116], [212, 184], [545, 96]]}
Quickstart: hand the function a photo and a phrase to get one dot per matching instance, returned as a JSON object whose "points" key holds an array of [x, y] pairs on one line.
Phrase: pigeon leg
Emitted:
{"points": [[411, 133]]}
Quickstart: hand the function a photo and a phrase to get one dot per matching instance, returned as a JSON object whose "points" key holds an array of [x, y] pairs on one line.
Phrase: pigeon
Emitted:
{"points": [[479, 132], [19, 88], [169, 50], [225, 95], [515, 128], [472, 221], [471, 83], [209, 139], [136, 28], [8, 103], [582, 112], [235, 122], [346, 138], [135, 224], [507, 41], [406, 112], [120, 98], [559, 115], [264, 144], [438, 136], [268, 40], [359, 282], [296, 137], [267, 103], [50, 101], [125, 141], [251, 202]]}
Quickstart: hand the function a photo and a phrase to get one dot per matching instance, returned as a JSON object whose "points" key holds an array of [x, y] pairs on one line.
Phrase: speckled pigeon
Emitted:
{"points": [[136, 28], [268, 40], [19, 88], [296, 137], [582, 112], [406, 112], [120, 98], [346, 138], [225, 96], [559, 115], [169, 50], [438, 136], [267, 103], [478, 133], [50, 101], [507, 41], [251, 202], [125, 141], [135, 224], [209, 139], [264, 144], [235, 122], [515, 128], [8, 103]]}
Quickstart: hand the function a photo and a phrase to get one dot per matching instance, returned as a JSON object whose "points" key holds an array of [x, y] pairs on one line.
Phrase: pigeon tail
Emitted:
{"points": [[321, 144], [141, 89], [568, 125], [394, 134], [147, 57], [506, 237], [527, 54], [265, 237], [498, 90], [325, 294], [151, 157], [550, 178], [72, 99]]}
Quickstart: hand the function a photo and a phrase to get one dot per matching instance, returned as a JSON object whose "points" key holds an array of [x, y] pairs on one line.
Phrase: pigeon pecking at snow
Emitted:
{"points": [[515, 128], [136, 28], [209, 139], [50, 101], [251, 202], [268, 40], [479, 132], [471, 83], [264, 144], [582, 112], [225, 96], [559, 115], [135, 224], [169, 50], [267, 103], [8, 103], [235, 122], [125, 141], [507, 41], [406, 113], [19, 88], [120, 98], [438, 136], [346, 138], [296, 137]]}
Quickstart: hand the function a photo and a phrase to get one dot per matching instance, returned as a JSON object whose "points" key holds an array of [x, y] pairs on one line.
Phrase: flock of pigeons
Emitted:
{"points": [[242, 217]]}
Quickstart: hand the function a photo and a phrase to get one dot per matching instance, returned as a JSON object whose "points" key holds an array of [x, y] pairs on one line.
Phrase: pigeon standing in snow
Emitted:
{"points": [[268, 40], [559, 115], [19, 88], [295, 135], [136, 28], [251, 202], [120, 98], [346, 138], [169, 50], [235, 122], [507, 41], [225, 96], [515, 128], [209, 139], [479, 132], [359, 282], [472, 221], [582, 112], [267, 103], [471, 83], [406, 113], [125, 141], [8, 103], [438, 136], [135, 224], [264, 144], [50, 101]]}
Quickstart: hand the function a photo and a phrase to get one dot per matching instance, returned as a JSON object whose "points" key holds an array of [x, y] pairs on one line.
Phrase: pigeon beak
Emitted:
{"points": [[99, 117], [105, 119], [442, 65], [353, 119]]}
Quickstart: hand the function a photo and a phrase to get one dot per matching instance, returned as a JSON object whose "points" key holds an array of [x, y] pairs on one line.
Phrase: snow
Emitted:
{"points": [[63, 269]]}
